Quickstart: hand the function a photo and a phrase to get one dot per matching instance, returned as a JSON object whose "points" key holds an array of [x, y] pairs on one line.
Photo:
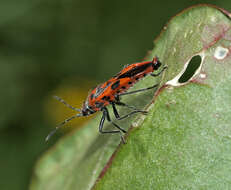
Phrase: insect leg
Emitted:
{"points": [[128, 106], [102, 123], [140, 90], [115, 110], [125, 116], [144, 89], [109, 119], [155, 75], [107, 116]]}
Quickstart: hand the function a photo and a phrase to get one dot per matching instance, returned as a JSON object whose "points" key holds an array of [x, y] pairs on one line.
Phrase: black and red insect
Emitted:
{"points": [[109, 93]]}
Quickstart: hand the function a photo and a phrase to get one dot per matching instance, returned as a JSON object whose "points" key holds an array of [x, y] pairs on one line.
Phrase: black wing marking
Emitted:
{"points": [[115, 85], [134, 71]]}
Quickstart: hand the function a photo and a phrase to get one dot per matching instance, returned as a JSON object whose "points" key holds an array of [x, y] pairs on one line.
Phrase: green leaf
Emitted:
{"points": [[183, 143]]}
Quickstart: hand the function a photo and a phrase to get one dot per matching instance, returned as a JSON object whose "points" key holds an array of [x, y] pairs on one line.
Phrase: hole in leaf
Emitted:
{"points": [[192, 67]]}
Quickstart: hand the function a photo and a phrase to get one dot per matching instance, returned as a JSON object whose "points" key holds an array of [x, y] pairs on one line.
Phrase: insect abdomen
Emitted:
{"points": [[130, 75]]}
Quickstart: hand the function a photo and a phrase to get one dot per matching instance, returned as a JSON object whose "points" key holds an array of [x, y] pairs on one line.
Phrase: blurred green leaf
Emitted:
{"points": [[183, 143]]}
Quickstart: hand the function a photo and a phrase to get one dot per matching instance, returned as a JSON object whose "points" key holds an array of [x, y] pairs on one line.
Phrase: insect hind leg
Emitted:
{"points": [[140, 90], [129, 114], [143, 89]]}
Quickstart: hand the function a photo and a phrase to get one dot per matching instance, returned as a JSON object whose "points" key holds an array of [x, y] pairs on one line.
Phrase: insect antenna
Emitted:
{"points": [[66, 104], [62, 124], [66, 120]]}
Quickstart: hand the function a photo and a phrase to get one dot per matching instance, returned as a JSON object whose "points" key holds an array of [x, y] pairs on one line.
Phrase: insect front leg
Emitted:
{"points": [[107, 116], [125, 116]]}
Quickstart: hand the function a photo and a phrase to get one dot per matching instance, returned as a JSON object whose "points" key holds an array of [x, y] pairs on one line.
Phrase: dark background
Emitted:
{"points": [[64, 47]]}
